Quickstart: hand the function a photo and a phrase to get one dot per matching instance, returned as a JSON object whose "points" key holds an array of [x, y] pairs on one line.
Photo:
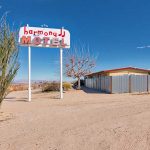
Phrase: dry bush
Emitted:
{"points": [[36, 86], [18, 87], [67, 86], [22, 87], [53, 86]]}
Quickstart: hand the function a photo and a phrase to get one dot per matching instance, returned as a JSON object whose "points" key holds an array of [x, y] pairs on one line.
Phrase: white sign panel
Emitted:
{"points": [[44, 37]]}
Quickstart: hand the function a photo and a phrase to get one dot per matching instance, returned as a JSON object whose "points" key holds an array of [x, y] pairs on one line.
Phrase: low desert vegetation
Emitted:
{"points": [[17, 87], [23, 86], [55, 86], [46, 87], [67, 86], [52, 86]]}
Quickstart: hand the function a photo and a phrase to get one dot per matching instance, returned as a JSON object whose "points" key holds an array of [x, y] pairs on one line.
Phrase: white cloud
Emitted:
{"points": [[141, 47]]}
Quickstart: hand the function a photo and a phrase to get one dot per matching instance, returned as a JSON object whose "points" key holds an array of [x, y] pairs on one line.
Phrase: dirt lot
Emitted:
{"points": [[84, 120]]}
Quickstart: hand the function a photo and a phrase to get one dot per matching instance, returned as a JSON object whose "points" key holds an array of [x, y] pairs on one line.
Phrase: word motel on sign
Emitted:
{"points": [[45, 41]]}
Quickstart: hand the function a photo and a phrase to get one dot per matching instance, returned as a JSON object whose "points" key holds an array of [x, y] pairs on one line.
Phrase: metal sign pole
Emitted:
{"points": [[29, 72], [61, 74]]}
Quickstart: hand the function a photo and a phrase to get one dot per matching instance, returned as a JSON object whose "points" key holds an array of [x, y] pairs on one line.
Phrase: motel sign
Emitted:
{"points": [[44, 37]]}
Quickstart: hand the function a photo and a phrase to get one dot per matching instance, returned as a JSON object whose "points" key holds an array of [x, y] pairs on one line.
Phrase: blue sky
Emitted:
{"points": [[112, 28]]}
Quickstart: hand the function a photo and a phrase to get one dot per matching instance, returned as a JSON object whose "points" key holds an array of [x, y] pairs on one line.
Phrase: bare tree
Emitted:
{"points": [[78, 62], [8, 57]]}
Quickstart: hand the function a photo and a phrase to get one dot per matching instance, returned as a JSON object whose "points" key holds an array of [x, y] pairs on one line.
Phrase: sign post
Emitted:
{"points": [[29, 73], [61, 73], [48, 38]]}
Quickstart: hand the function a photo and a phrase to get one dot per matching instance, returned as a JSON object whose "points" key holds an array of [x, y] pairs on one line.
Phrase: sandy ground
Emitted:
{"points": [[84, 120]]}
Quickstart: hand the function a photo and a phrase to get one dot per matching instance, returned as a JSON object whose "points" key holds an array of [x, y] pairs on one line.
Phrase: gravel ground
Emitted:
{"points": [[83, 120]]}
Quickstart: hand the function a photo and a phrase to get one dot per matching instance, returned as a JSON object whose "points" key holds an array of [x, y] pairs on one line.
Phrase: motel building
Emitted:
{"points": [[120, 80]]}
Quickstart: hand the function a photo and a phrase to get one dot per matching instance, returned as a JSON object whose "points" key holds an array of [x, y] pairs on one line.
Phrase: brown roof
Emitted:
{"points": [[118, 69]]}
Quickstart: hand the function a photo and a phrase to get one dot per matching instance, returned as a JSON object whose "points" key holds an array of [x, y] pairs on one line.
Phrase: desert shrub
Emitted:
{"points": [[36, 86], [17, 87], [67, 86], [53, 86]]}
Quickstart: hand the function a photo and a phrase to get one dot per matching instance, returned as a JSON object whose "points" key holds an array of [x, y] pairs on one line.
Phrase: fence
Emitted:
{"points": [[119, 84], [102, 83]]}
